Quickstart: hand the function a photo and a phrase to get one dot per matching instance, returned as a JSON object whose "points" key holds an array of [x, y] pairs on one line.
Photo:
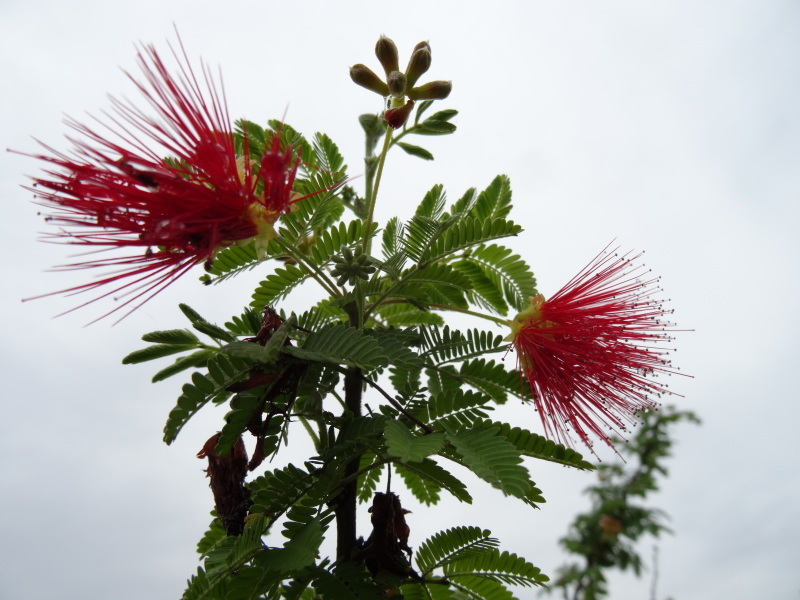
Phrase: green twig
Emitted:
{"points": [[387, 140]]}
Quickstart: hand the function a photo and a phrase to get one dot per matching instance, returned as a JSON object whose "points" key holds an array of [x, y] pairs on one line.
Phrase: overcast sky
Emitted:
{"points": [[672, 127]]}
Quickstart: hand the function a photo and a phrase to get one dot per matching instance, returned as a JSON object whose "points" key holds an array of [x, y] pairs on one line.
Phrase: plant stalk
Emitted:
{"points": [[387, 141], [347, 501]]}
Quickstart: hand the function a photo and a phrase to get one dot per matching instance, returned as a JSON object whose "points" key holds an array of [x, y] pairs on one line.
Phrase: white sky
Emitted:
{"points": [[673, 127]]}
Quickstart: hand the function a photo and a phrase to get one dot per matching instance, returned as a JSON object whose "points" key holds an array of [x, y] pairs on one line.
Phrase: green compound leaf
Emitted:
{"points": [[192, 361], [407, 315], [166, 343], [299, 587], [494, 201], [492, 458], [292, 489], [231, 261], [266, 354], [172, 336], [198, 587], [493, 565], [453, 544], [477, 587], [497, 274], [392, 238], [328, 158], [214, 331], [255, 353], [277, 285], [396, 345], [483, 292], [204, 326], [493, 379], [454, 408], [432, 279], [227, 575], [301, 549], [313, 214], [424, 490], [341, 345], [324, 313], [486, 376], [248, 323], [223, 371], [448, 345], [243, 407], [537, 446], [347, 580], [422, 231], [214, 534], [463, 205], [442, 380], [329, 242], [154, 352], [368, 481], [468, 232], [432, 591], [274, 492], [430, 471], [406, 446], [252, 582], [432, 204], [190, 313], [249, 542]]}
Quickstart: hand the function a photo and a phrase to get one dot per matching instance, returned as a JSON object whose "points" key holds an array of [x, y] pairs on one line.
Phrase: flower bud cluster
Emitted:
{"points": [[399, 88], [351, 266]]}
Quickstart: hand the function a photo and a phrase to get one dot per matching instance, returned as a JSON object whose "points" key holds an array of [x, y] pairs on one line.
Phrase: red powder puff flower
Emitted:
{"points": [[176, 212], [590, 351]]}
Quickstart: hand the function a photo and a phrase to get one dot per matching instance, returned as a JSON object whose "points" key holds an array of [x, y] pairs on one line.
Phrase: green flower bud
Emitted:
{"points": [[386, 51], [351, 266], [397, 84], [419, 63], [434, 90], [421, 45], [363, 76]]}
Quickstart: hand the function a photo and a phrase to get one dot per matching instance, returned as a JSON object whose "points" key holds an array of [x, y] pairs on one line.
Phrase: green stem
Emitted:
{"points": [[472, 313], [387, 140], [317, 274], [391, 400], [377, 464], [311, 433]]}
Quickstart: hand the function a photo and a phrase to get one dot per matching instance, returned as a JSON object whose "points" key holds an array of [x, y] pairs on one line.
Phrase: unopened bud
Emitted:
{"points": [[397, 83], [396, 117], [433, 90], [419, 63], [421, 45], [363, 76], [386, 51]]}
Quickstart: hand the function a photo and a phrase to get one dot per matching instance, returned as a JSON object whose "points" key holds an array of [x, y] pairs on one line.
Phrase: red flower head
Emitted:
{"points": [[591, 350], [176, 211]]}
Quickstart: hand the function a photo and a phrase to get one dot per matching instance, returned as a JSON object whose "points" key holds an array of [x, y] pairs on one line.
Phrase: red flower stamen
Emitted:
{"points": [[178, 211], [590, 352]]}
